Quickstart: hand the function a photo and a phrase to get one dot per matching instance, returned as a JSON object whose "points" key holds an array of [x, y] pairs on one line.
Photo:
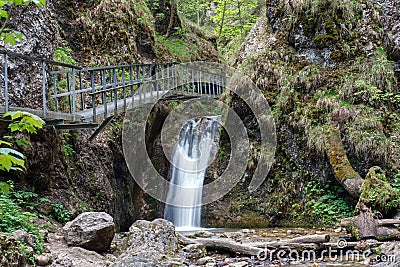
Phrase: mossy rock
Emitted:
{"points": [[378, 194]]}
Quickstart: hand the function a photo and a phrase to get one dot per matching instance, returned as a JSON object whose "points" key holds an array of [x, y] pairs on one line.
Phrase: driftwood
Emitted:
{"points": [[307, 239], [309, 242]]}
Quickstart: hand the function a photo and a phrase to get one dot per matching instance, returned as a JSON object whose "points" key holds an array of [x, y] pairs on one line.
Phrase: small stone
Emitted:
{"points": [[211, 264], [245, 231], [338, 230], [42, 260], [289, 232], [204, 260], [238, 264], [203, 234]]}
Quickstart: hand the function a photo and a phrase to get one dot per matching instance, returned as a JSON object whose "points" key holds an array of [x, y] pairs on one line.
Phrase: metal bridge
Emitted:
{"points": [[79, 98]]}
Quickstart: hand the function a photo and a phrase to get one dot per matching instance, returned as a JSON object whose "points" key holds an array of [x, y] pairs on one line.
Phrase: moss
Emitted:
{"points": [[353, 231], [378, 194]]}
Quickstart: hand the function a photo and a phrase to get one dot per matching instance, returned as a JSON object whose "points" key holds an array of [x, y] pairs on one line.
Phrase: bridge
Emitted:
{"points": [[73, 97]]}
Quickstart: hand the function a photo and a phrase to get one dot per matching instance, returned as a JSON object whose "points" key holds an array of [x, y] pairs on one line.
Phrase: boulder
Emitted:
{"points": [[90, 230], [149, 244]]}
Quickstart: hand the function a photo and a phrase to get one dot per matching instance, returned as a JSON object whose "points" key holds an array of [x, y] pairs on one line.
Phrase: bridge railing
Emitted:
{"points": [[93, 94]]}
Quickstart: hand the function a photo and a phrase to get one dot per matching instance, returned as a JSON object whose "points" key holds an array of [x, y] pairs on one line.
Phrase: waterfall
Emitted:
{"points": [[197, 146]]}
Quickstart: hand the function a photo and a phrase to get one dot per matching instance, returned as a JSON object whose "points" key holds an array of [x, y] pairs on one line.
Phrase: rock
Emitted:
{"points": [[90, 230], [43, 260], [389, 255], [204, 260], [194, 251], [238, 264], [23, 236], [149, 244], [211, 264], [204, 234], [77, 257]]}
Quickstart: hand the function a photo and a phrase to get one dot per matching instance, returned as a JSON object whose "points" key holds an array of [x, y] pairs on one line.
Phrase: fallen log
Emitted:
{"points": [[388, 221], [301, 243], [307, 239], [228, 245], [344, 172]]}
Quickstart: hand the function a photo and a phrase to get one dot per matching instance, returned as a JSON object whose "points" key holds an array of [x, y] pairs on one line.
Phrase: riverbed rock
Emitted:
{"points": [[149, 244], [194, 251], [90, 230]]}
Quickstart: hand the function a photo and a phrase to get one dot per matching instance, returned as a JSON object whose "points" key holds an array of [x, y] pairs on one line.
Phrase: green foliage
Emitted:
{"points": [[11, 159], [396, 182], [234, 17], [8, 35], [62, 52], [61, 214], [324, 205], [24, 121], [179, 49]]}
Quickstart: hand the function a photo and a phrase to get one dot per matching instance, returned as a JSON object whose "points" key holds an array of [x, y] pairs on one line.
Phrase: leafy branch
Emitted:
{"points": [[8, 35]]}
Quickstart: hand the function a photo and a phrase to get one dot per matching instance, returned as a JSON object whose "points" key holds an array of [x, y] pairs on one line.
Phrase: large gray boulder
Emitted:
{"points": [[90, 230], [149, 244]]}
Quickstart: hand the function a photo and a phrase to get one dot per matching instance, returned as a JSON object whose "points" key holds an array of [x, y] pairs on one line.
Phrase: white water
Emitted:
{"points": [[196, 147]]}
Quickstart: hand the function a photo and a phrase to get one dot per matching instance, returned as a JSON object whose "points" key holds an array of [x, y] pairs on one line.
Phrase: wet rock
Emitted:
{"points": [[149, 244], [90, 230]]}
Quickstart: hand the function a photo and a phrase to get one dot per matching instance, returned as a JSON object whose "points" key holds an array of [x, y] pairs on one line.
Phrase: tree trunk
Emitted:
{"points": [[344, 172], [365, 226]]}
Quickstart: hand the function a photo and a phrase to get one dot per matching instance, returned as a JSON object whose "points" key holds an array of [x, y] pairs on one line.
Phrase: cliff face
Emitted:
{"points": [[320, 64]]}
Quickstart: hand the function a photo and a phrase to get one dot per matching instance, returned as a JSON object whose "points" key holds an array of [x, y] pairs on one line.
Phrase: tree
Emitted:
{"points": [[10, 36], [234, 17]]}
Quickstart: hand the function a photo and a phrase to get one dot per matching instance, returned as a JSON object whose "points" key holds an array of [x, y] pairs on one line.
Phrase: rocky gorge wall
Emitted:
{"points": [[320, 64]]}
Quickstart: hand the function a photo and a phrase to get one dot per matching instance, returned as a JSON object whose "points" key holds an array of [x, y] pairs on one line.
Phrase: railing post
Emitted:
{"points": [[73, 94], [115, 91], [6, 79], [93, 94], [156, 70], [80, 88], [55, 90], [140, 85], [124, 88], [44, 87], [104, 96], [162, 77], [192, 80], [150, 79], [131, 80]]}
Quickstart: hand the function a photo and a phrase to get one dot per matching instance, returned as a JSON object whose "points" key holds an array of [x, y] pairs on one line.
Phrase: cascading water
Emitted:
{"points": [[197, 145]]}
